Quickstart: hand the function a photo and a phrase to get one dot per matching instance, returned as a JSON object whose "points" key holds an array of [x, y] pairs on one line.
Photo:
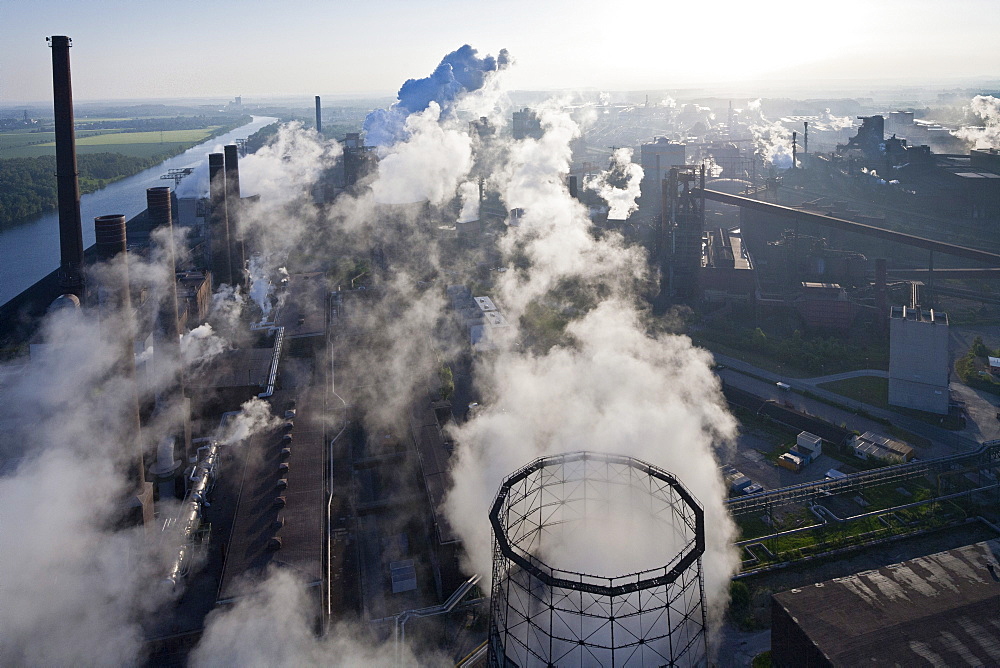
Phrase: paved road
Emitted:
{"points": [[834, 377], [944, 442]]}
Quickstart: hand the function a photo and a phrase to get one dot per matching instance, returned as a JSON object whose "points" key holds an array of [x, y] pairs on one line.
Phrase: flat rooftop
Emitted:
{"points": [[942, 609], [434, 456], [299, 523], [245, 367], [919, 315]]}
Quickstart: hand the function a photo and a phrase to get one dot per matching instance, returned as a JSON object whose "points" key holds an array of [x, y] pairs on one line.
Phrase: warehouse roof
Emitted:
{"points": [[943, 608]]}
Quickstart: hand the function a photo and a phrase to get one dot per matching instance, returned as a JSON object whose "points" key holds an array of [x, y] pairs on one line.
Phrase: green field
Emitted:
{"points": [[872, 390], [139, 144]]}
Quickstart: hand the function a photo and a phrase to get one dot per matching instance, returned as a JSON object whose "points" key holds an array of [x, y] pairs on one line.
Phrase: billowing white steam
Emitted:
{"points": [[201, 344], [254, 416], [468, 192], [832, 122], [428, 166], [619, 184], [272, 627], [260, 284], [613, 387], [773, 140], [986, 108]]}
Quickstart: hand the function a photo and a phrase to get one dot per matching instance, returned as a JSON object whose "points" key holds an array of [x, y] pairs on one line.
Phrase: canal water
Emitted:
{"points": [[31, 251]]}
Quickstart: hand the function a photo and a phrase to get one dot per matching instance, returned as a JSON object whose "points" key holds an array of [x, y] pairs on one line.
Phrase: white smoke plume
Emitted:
{"points": [[428, 166], [78, 588], [272, 627], [260, 285], [201, 344], [255, 416], [611, 385], [987, 109], [468, 193], [773, 140], [712, 169], [835, 122], [619, 184]]}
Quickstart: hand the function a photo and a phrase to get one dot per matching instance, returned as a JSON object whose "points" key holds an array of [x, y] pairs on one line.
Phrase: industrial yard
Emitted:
{"points": [[479, 376]]}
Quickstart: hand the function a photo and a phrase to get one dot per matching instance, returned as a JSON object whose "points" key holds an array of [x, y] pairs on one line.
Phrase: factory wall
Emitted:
{"points": [[919, 364]]}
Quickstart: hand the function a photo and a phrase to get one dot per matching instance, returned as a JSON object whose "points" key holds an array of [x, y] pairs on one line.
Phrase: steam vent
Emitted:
{"points": [[562, 527]]}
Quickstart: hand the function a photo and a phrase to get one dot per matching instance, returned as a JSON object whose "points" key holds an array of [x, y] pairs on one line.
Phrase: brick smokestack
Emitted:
{"points": [[219, 221], [237, 256], [67, 181], [118, 321]]}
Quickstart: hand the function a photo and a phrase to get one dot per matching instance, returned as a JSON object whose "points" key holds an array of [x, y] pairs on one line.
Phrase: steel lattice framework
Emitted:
{"points": [[542, 615]]}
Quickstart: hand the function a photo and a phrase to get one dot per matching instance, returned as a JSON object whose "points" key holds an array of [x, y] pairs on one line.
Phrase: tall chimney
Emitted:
{"points": [[237, 256], [805, 138], [794, 148], [118, 320], [167, 334], [67, 182], [319, 116], [219, 221]]}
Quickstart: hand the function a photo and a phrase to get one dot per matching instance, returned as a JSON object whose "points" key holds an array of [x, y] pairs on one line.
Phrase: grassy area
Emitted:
{"points": [[159, 136], [751, 357], [138, 144], [13, 143], [871, 390]]}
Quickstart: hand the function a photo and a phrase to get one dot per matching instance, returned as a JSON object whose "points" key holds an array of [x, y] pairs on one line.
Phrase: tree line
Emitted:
{"points": [[28, 185]]}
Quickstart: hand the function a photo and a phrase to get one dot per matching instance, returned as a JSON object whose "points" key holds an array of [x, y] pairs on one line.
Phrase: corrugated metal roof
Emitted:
{"points": [[943, 608]]}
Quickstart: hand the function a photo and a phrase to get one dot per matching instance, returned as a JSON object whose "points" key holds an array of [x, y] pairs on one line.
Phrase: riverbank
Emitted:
{"points": [[28, 184], [30, 252]]}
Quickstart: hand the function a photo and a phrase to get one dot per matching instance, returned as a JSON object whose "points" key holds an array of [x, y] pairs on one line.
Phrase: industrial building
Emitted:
{"points": [[870, 446], [942, 609], [919, 362]]}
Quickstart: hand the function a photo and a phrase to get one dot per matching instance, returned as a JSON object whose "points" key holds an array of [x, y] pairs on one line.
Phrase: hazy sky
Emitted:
{"points": [[222, 48]]}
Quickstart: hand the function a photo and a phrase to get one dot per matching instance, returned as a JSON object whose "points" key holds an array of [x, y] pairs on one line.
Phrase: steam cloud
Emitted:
{"points": [[459, 72], [986, 108], [773, 140], [611, 386], [619, 184]]}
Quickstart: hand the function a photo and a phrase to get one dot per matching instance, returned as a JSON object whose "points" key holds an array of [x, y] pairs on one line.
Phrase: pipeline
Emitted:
{"points": [[203, 476]]}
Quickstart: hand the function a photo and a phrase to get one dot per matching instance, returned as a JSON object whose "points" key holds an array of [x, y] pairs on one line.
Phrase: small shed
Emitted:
{"points": [[791, 461]]}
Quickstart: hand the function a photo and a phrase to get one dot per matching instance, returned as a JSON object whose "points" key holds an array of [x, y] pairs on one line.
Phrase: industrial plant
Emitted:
{"points": [[485, 378]]}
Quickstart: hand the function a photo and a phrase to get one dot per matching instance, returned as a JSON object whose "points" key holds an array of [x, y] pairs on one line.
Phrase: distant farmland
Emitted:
{"points": [[137, 144]]}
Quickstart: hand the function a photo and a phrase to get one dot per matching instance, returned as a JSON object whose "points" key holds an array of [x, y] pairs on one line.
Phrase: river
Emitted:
{"points": [[29, 252]]}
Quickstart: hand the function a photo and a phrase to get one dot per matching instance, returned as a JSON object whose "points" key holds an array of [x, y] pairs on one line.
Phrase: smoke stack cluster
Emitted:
{"points": [[219, 221], [67, 182], [118, 321], [168, 331], [237, 256]]}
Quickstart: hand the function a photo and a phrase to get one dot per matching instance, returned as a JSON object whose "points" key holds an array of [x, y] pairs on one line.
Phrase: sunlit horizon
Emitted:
{"points": [[187, 51]]}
